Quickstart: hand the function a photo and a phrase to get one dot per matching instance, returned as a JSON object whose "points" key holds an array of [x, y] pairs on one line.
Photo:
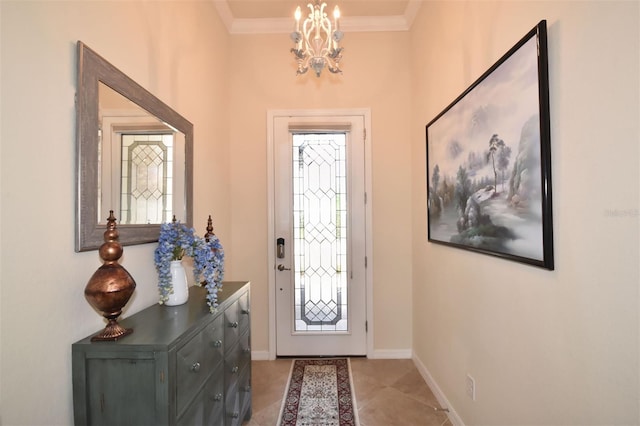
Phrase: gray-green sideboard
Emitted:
{"points": [[181, 366]]}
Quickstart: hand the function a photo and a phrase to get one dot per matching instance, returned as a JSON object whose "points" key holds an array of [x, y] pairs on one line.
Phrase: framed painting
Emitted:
{"points": [[489, 161]]}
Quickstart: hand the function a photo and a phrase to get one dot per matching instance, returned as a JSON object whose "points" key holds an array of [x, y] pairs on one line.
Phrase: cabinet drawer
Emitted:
{"points": [[243, 350], [236, 360], [214, 342], [244, 313], [237, 405], [190, 371], [214, 400], [196, 360], [237, 319], [231, 325], [244, 393], [208, 406]]}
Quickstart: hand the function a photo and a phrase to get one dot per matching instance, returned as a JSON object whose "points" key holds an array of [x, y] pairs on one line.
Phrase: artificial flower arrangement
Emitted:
{"points": [[176, 241]]}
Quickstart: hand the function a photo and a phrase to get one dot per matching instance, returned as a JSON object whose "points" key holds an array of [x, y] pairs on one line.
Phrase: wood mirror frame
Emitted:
{"points": [[93, 69]]}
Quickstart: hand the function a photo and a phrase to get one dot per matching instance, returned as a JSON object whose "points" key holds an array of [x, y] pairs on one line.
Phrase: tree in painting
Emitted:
{"points": [[495, 144]]}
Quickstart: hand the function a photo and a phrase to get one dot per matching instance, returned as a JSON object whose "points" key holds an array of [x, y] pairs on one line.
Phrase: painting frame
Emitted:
{"points": [[488, 161]]}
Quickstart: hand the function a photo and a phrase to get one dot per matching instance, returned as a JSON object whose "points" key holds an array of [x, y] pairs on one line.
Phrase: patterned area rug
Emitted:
{"points": [[319, 393]]}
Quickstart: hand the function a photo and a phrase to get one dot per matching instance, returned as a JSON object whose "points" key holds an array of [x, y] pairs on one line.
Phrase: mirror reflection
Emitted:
{"points": [[142, 163]]}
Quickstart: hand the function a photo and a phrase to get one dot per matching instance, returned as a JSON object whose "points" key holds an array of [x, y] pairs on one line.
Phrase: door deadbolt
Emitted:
{"points": [[280, 248]]}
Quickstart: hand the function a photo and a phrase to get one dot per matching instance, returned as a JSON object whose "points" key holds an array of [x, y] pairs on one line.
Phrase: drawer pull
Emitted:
{"points": [[233, 324], [235, 369], [245, 311], [246, 350], [195, 367], [218, 397], [247, 389], [235, 415], [217, 344]]}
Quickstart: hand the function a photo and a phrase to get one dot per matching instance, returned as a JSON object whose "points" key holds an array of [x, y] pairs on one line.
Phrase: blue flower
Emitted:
{"points": [[215, 271], [176, 241]]}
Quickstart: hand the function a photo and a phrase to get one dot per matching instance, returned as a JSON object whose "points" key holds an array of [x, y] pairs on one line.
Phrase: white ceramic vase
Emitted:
{"points": [[180, 293]]}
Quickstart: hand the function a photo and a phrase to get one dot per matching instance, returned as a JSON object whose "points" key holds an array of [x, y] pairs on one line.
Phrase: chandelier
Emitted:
{"points": [[316, 45]]}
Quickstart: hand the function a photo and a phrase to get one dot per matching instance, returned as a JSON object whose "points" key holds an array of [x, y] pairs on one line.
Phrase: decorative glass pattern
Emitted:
{"points": [[147, 179], [320, 232]]}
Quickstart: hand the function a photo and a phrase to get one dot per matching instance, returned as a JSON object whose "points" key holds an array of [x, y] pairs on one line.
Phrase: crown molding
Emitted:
{"points": [[411, 11], [347, 24]]}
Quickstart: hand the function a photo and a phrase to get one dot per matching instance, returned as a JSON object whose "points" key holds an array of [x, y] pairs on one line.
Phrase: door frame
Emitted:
{"points": [[365, 113]]}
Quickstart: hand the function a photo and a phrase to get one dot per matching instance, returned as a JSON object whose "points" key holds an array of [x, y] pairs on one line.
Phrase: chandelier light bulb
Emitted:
{"points": [[298, 15], [316, 46]]}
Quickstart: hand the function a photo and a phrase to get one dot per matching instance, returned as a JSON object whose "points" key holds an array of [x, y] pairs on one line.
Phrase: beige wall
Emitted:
{"points": [[264, 78], [545, 348], [171, 48]]}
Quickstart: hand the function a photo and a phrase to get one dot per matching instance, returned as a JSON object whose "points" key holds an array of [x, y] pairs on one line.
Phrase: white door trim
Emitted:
{"points": [[271, 115]]}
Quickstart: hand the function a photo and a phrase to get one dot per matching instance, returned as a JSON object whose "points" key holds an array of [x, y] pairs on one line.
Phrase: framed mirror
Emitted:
{"points": [[134, 156]]}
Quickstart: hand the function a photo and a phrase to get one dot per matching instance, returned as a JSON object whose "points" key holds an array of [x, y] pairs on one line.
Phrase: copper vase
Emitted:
{"points": [[111, 286]]}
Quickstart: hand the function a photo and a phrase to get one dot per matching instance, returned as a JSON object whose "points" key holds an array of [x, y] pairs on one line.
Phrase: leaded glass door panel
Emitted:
{"points": [[320, 279]]}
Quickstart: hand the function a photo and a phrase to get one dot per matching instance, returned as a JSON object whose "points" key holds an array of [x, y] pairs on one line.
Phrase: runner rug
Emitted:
{"points": [[319, 393]]}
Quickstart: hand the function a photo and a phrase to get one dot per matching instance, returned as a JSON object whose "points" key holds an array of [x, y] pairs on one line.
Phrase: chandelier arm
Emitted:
{"points": [[326, 25], [308, 29]]}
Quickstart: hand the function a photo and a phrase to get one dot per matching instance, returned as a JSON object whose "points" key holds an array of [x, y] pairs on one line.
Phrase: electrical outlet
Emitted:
{"points": [[471, 387]]}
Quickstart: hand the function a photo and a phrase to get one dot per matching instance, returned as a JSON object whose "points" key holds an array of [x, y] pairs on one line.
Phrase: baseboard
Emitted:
{"points": [[391, 354], [260, 355], [379, 354], [437, 392]]}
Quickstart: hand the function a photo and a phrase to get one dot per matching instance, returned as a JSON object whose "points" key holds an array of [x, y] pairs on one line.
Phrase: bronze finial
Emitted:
{"points": [[209, 229], [111, 286]]}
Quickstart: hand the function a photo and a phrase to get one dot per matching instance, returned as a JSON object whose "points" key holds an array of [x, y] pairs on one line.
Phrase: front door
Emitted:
{"points": [[319, 215]]}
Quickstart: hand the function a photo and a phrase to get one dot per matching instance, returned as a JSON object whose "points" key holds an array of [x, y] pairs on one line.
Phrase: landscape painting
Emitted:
{"points": [[489, 161]]}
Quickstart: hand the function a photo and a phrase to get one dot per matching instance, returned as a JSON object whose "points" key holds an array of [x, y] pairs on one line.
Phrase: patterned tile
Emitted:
{"points": [[390, 407], [387, 393]]}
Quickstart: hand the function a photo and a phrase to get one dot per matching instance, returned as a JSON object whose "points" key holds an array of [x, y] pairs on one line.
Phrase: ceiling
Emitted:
{"points": [[276, 16]]}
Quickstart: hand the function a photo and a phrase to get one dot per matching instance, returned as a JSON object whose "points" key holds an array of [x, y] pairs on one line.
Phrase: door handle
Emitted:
{"points": [[282, 268]]}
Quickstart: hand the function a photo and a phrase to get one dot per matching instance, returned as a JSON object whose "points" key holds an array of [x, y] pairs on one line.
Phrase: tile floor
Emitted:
{"points": [[388, 393]]}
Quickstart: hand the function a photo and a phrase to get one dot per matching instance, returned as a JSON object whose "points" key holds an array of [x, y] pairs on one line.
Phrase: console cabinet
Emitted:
{"points": [[181, 365]]}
